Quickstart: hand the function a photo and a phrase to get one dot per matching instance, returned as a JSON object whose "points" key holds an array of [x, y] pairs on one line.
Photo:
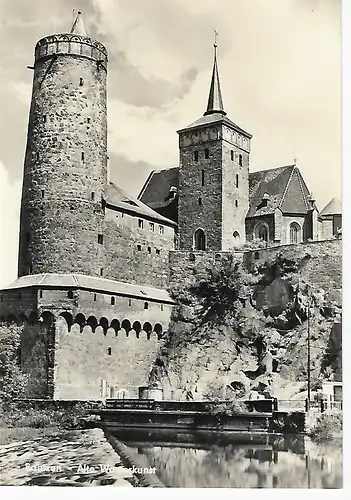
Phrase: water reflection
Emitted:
{"points": [[279, 462]]}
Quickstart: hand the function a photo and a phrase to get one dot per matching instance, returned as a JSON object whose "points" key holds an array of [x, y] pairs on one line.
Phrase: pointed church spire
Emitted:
{"points": [[78, 27], [215, 102]]}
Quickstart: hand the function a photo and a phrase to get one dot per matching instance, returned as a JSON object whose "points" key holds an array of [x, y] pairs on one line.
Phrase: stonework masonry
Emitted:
{"points": [[65, 168]]}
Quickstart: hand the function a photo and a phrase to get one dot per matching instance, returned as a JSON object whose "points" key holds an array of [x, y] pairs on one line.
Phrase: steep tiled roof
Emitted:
{"points": [[215, 118], [333, 208], [89, 283], [284, 186], [116, 197]]}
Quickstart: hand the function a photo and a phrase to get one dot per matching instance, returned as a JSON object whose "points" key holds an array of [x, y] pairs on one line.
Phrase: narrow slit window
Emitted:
{"points": [[232, 155], [100, 239], [40, 294], [236, 203], [202, 177], [95, 297], [140, 224], [200, 201], [93, 196], [196, 156], [161, 307], [82, 156], [37, 156], [113, 301], [237, 180], [130, 302], [101, 271], [109, 351], [241, 160], [44, 118], [88, 121], [42, 193], [149, 249], [207, 154], [81, 82], [146, 305]]}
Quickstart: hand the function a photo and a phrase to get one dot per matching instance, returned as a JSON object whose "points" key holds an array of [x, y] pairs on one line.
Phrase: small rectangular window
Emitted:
{"points": [[109, 351], [100, 239], [196, 156], [157, 251], [161, 229], [70, 294], [237, 180], [161, 307], [42, 193], [92, 196], [149, 249], [139, 248], [82, 156], [146, 305], [101, 271], [130, 302], [40, 294], [88, 120], [95, 297], [241, 160], [112, 301], [207, 154], [232, 155], [152, 226], [202, 177], [140, 223]]}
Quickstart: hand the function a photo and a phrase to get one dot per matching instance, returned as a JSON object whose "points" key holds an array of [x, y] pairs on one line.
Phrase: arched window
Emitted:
{"points": [[199, 239], [236, 236], [295, 233], [262, 231]]}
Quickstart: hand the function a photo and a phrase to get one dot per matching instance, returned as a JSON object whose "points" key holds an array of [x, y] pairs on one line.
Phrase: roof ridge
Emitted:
{"points": [[300, 179], [287, 185]]}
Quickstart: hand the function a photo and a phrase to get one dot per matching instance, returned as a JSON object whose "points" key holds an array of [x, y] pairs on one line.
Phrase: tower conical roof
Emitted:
{"points": [[333, 208], [215, 102], [78, 27]]}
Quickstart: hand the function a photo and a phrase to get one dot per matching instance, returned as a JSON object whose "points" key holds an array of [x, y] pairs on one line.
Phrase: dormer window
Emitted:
{"points": [[265, 200]]}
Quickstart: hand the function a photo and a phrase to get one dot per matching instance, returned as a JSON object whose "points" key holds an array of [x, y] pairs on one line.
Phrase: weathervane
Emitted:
{"points": [[215, 38]]}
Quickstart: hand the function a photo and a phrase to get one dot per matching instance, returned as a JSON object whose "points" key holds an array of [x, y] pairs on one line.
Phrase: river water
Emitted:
{"points": [[274, 462]]}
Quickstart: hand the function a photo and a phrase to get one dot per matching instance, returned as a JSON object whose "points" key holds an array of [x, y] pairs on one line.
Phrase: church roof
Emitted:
{"points": [[78, 27], [215, 118], [117, 198], [284, 186], [332, 208], [58, 280]]}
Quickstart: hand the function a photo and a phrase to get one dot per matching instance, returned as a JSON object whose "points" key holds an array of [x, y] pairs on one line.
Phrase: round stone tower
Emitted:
{"points": [[65, 167]]}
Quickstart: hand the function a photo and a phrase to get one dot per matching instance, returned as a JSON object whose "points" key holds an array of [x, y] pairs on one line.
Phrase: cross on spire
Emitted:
{"points": [[215, 101]]}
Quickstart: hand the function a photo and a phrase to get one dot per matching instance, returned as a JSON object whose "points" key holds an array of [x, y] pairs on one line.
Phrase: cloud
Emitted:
{"points": [[10, 194]]}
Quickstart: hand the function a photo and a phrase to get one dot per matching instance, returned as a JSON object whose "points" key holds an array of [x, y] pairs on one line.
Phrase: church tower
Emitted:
{"points": [[213, 178], [65, 167]]}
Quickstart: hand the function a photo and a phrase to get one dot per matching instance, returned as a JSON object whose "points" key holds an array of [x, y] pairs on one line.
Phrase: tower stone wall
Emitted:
{"points": [[65, 168]]}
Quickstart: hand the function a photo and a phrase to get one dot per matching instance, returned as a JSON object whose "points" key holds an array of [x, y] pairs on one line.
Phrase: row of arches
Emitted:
{"points": [[115, 324], [47, 319]]}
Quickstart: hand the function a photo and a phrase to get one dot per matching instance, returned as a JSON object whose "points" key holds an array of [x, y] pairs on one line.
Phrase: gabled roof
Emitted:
{"points": [[89, 283], [117, 198], [215, 118], [285, 188], [332, 208]]}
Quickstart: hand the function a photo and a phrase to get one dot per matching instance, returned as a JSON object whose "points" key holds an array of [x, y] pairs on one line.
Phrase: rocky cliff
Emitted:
{"points": [[240, 327]]}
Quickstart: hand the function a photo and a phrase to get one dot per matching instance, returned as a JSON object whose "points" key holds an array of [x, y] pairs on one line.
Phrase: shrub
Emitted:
{"points": [[327, 426]]}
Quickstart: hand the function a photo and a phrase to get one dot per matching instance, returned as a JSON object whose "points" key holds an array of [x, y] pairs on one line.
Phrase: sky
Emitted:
{"points": [[280, 72]]}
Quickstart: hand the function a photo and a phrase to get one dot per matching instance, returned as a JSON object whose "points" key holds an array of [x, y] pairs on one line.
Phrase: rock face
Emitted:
{"points": [[256, 342]]}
